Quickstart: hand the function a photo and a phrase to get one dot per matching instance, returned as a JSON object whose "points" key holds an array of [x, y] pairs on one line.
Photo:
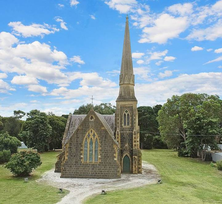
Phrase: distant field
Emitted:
{"points": [[185, 180], [15, 191]]}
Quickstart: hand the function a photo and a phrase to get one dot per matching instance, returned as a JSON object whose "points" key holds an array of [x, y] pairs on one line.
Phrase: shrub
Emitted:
{"points": [[8, 142], [219, 165], [22, 163], [5, 156]]}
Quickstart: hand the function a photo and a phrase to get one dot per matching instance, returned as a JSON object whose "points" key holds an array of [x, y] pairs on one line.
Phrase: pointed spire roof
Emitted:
{"points": [[127, 65], [126, 79]]}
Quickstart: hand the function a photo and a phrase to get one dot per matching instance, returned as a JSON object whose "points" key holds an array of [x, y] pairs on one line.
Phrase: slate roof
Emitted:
{"points": [[75, 120]]}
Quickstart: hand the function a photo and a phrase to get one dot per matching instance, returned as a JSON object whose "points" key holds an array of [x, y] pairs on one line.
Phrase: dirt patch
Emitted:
{"points": [[80, 189]]}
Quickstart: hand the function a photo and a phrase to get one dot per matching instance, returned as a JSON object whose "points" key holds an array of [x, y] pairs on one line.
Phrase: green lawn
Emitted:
{"points": [[185, 180], [15, 191]]}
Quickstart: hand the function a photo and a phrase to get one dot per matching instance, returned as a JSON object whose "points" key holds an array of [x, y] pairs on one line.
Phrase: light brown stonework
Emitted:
{"points": [[117, 135]]}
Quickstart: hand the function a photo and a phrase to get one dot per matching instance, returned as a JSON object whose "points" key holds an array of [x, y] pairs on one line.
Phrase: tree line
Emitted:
{"points": [[187, 123]]}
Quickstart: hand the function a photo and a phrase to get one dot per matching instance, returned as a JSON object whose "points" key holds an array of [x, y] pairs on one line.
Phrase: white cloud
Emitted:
{"points": [[169, 58], [7, 40], [123, 6], [142, 73], [196, 48], [139, 61], [218, 50], [32, 30], [157, 55], [77, 59], [24, 80], [61, 5], [208, 50], [159, 63], [220, 67], [137, 55], [73, 2], [93, 17], [166, 73], [158, 92], [211, 33], [181, 9], [4, 87], [62, 23], [215, 60], [37, 88], [3, 75], [165, 27]]}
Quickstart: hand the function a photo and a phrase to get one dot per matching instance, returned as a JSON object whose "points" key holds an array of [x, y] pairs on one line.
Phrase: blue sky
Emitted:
{"points": [[54, 55]]}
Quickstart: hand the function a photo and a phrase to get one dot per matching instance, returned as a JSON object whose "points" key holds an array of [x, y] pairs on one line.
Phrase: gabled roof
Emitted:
{"points": [[74, 121]]}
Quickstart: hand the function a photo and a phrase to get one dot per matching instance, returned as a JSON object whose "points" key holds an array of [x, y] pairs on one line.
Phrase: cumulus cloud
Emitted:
{"points": [[218, 50], [169, 58], [157, 55], [77, 59], [62, 23], [142, 73], [37, 88], [74, 2], [158, 92], [196, 48], [3, 75], [137, 55], [159, 63], [208, 50], [32, 30], [181, 9], [4, 87], [24, 80], [61, 5], [139, 61], [166, 73], [165, 27], [211, 33], [123, 6]]}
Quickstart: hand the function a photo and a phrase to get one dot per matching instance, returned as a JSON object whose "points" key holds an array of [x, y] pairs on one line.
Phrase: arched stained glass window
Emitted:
{"points": [[126, 118], [91, 151], [85, 150], [96, 151], [91, 147]]}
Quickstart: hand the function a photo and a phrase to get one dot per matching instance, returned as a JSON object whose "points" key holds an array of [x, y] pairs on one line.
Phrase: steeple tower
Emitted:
{"points": [[126, 79], [126, 117]]}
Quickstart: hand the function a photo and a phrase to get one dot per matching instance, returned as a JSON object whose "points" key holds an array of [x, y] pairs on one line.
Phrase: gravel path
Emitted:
{"points": [[80, 189]]}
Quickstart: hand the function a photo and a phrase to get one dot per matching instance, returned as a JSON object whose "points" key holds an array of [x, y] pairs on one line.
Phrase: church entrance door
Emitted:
{"points": [[126, 164]]}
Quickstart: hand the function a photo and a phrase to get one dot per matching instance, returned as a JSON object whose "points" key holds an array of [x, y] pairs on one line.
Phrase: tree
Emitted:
{"points": [[103, 108], [12, 125], [22, 163], [58, 125], [19, 114], [8, 145], [37, 131], [190, 121], [149, 127]]}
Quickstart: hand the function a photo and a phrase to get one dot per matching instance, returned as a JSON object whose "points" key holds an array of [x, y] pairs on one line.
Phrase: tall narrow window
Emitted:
{"points": [[85, 150], [126, 118], [96, 151], [91, 147]]}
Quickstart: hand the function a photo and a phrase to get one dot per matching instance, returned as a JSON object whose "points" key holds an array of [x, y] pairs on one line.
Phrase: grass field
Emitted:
{"points": [[15, 191], [185, 180]]}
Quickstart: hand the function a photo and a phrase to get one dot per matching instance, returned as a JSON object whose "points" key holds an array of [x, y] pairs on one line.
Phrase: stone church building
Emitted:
{"points": [[104, 146]]}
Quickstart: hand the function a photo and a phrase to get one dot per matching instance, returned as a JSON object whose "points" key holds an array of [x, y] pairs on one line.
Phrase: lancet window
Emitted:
{"points": [[91, 147], [126, 118]]}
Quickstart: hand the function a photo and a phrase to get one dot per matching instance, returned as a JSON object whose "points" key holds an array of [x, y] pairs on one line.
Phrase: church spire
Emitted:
{"points": [[126, 80]]}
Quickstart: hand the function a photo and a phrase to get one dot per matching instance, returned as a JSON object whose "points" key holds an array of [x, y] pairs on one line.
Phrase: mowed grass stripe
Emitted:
{"points": [[185, 180]]}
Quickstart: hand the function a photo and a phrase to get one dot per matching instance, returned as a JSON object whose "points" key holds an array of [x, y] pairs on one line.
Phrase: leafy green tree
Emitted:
{"points": [[190, 121], [22, 163], [103, 108], [58, 125], [8, 145], [37, 131], [19, 114], [12, 125], [149, 126]]}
